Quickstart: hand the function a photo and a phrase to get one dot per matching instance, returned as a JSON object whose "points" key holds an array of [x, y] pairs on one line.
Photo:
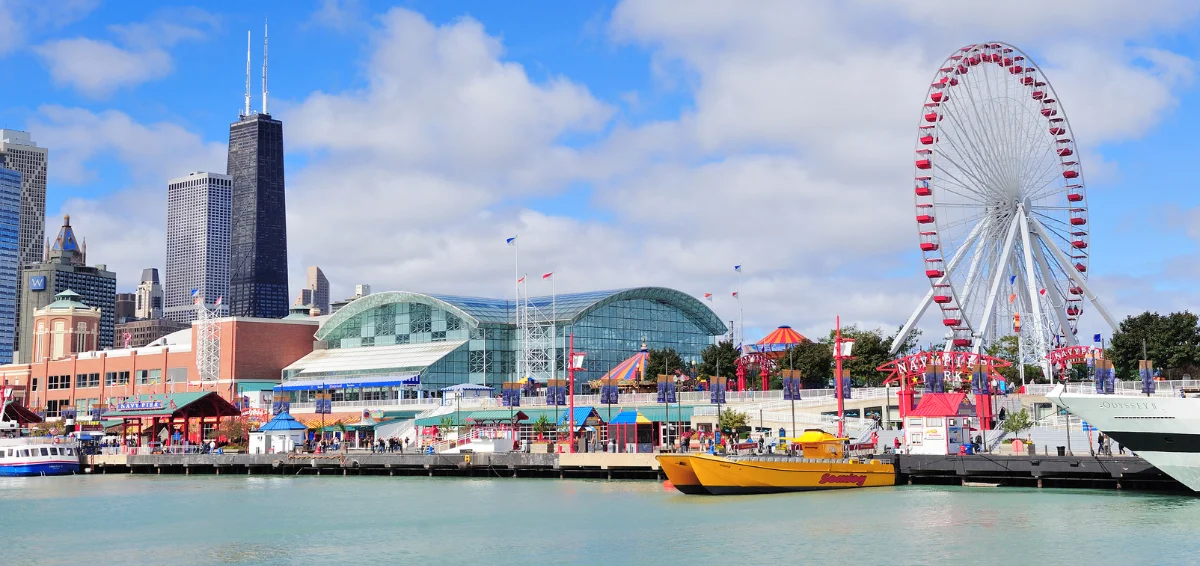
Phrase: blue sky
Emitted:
{"points": [[629, 143]]}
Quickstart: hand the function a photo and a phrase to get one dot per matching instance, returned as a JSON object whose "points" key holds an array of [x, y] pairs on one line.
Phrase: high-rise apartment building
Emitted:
{"points": [[258, 277], [149, 296], [20, 153], [10, 220], [66, 270], [318, 286], [198, 216]]}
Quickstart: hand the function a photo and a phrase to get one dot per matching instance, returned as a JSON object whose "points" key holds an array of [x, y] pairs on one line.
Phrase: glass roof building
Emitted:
{"points": [[381, 345]]}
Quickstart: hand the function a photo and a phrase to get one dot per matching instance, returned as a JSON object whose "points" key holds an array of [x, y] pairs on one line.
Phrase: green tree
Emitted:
{"points": [[718, 359], [813, 359], [1172, 342], [733, 421], [1016, 422], [541, 425], [664, 361], [871, 350]]}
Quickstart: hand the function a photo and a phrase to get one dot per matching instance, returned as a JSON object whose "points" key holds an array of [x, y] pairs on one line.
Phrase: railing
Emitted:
{"points": [[1161, 388], [149, 450]]}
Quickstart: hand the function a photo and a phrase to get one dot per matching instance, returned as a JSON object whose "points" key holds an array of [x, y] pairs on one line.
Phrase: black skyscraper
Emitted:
{"points": [[258, 278]]}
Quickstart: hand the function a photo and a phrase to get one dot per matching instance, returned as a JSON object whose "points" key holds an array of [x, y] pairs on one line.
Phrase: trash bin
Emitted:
{"points": [[1062, 450], [1031, 449]]}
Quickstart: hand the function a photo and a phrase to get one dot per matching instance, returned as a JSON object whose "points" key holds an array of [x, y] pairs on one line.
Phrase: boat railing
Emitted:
{"points": [[151, 450]]}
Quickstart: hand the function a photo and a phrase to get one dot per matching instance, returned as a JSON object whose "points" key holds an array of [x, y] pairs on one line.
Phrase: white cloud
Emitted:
{"points": [[20, 18], [97, 68], [125, 229]]}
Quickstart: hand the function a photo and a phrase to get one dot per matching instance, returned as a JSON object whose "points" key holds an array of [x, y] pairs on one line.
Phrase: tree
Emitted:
{"points": [[732, 421], [664, 362], [235, 430], [718, 359], [1016, 422], [541, 425], [1172, 342], [871, 350], [813, 359]]}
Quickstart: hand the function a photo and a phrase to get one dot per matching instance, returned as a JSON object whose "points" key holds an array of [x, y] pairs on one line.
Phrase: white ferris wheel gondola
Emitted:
{"points": [[1001, 205]]}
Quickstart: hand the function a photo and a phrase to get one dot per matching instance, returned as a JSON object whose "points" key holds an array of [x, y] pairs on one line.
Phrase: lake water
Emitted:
{"points": [[137, 519]]}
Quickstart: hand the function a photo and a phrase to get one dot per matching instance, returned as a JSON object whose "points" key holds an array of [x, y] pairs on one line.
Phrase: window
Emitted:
{"points": [[122, 378], [149, 376], [33, 384], [110, 378]]}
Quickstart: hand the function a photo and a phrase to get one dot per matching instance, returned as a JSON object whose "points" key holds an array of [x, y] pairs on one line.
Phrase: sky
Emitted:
{"points": [[625, 143]]}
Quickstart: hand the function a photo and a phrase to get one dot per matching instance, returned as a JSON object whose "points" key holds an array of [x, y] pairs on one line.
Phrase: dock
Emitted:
{"points": [[1089, 472], [596, 465]]}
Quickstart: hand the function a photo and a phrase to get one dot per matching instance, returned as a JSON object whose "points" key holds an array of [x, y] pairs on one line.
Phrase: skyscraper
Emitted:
{"points": [[149, 296], [10, 214], [319, 287], [19, 153], [258, 278], [198, 215], [66, 269]]}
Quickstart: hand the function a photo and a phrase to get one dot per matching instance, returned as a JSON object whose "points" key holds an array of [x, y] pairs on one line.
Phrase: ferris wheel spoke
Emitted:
{"points": [[983, 167]]}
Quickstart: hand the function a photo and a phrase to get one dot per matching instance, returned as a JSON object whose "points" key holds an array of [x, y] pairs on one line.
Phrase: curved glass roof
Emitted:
{"points": [[569, 307]]}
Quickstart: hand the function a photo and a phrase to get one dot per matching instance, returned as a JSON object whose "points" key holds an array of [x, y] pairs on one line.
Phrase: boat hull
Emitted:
{"points": [[56, 468], [1164, 431], [723, 476], [678, 468]]}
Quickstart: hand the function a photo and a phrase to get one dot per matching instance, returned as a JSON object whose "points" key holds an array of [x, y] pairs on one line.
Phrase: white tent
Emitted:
{"points": [[283, 434]]}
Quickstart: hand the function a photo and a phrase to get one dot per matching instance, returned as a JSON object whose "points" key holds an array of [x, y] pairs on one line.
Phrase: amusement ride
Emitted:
{"points": [[1000, 207]]}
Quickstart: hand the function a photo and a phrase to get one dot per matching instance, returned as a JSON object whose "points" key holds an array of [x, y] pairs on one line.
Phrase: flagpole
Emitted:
{"points": [[517, 304]]}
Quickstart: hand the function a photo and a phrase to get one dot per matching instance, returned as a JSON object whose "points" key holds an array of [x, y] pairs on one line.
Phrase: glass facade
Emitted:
{"points": [[258, 278], [609, 326], [10, 218]]}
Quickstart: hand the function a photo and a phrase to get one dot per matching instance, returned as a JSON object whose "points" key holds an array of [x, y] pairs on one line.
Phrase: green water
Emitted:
{"points": [[380, 520]]}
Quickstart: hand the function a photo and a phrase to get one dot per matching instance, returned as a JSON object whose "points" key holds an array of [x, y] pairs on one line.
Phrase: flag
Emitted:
{"points": [[511, 241], [737, 268], [218, 303], [735, 294], [521, 280], [1012, 297], [1042, 292], [1012, 279], [1096, 338], [547, 275], [708, 296]]}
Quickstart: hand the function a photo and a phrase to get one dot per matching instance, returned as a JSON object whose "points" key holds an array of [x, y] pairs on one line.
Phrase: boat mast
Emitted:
{"points": [[837, 385]]}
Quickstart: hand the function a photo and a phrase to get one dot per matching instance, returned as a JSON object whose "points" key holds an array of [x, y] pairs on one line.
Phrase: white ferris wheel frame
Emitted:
{"points": [[991, 156]]}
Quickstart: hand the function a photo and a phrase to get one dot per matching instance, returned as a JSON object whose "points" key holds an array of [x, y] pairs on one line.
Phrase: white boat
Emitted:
{"points": [[41, 456], [1164, 431], [33, 456]]}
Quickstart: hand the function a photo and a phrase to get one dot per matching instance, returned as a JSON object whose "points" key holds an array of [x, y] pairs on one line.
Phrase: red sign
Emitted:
{"points": [[256, 414], [1069, 354], [855, 479]]}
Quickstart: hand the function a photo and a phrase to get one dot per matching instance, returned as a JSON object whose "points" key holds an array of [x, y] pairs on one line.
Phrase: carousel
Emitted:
{"points": [[766, 355]]}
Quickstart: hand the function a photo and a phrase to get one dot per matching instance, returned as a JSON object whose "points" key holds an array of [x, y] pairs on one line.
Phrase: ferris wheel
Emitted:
{"points": [[1001, 206]]}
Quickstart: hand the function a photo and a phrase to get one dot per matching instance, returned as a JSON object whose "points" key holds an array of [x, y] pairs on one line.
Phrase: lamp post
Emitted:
{"points": [[575, 363]]}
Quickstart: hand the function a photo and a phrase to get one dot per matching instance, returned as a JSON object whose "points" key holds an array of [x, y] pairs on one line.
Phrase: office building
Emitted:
{"points": [[10, 213], [18, 152], [318, 287], [66, 269], [149, 296], [198, 214], [125, 307], [258, 277]]}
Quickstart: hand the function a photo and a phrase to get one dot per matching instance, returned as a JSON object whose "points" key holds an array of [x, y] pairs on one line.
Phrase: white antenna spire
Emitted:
{"points": [[247, 112], [264, 108]]}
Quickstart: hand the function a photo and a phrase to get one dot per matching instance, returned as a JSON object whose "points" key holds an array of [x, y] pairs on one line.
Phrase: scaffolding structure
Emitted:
{"points": [[208, 342], [538, 339]]}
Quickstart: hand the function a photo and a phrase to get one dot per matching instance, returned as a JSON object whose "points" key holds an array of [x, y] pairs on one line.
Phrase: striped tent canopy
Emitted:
{"points": [[632, 369], [779, 340]]}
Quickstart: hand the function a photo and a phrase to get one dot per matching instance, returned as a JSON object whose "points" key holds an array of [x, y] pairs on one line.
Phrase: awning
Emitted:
{"points": [[939, 405], [629, 417], [351, 383]]}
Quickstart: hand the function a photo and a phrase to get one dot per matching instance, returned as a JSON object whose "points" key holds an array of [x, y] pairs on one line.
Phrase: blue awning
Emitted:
{"points": [[351, 383], [581, 416]]}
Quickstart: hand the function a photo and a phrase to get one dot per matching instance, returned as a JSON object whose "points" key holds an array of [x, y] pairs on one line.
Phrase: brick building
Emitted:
{"points": [[138, 333], [252, 349]]}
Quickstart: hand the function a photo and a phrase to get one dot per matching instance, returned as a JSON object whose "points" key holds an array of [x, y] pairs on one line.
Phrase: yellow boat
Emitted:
{"points": [[822, 466]]}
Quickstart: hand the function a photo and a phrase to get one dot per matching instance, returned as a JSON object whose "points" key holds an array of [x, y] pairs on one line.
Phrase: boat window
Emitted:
{"points": [[55, 452], [24, 453], [69, 453], [45, 452]]}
